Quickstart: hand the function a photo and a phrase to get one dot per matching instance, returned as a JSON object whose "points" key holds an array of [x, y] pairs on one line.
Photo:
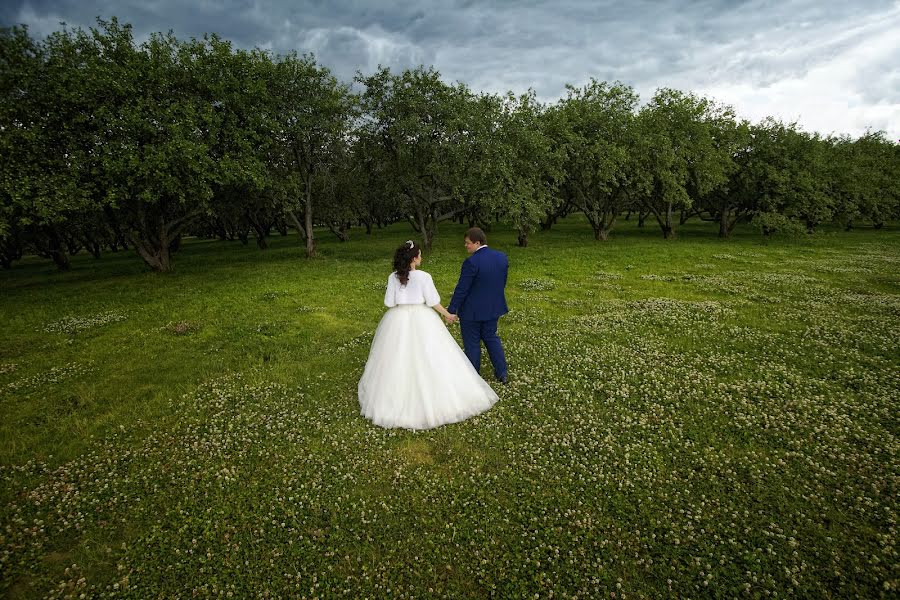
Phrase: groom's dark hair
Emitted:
{"points": [[475, 234]]}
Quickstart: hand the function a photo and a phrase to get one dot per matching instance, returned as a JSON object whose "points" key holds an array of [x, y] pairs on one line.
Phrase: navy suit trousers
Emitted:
{"points": [[473, 333]]}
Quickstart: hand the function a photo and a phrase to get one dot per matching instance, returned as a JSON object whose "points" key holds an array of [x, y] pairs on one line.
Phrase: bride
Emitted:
{"points": [[417, 377]]}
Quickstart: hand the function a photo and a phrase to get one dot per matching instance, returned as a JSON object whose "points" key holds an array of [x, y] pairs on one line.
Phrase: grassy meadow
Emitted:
{"points": [[693, 418]]}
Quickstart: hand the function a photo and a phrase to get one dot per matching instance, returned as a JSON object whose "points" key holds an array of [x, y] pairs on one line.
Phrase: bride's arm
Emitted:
{"points": [[443, 312]]}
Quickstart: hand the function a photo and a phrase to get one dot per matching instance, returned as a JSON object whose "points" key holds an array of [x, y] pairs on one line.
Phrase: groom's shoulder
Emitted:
{"points": [[496, 254]]}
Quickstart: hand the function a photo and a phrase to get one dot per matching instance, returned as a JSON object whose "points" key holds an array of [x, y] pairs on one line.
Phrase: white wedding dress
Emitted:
{"points": [[417, 377]]}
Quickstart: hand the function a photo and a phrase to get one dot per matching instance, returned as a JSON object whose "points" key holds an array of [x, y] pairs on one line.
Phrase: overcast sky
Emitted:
{"points": [[833, 66]]}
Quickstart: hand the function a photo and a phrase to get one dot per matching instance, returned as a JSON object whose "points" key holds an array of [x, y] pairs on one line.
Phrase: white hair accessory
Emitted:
{"points": [[410, 243]]}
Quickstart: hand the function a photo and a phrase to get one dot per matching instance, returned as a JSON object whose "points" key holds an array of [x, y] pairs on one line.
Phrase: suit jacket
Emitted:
{"points": [[479, 294]]}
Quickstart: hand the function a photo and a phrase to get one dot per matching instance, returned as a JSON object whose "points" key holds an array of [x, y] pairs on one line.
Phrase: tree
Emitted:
{"points": [[733, 200], [48, 135], [863, 177], [343, 191], [788, 168], [234, 83], [420, 127], [20, 64], [311, 113], [527, 166], [155, 131], [683, 160], [379, 204], [595, 129]]}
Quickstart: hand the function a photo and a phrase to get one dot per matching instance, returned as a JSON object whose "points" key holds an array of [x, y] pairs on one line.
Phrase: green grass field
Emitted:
{"points": [[694, 418]]}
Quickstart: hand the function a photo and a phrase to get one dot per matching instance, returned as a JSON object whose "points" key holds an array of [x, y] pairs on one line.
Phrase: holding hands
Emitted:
{"points": [[448, 316]]}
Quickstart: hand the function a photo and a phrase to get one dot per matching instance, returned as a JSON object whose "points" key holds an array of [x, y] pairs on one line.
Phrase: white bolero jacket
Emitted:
{"points": [[418, 290]]}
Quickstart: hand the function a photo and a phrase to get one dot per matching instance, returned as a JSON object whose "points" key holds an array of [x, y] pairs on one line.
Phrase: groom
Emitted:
{"points": [[478, 301]]}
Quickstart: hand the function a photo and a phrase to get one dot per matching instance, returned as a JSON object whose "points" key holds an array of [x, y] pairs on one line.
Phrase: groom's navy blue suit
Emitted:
{"points": [[478, 301]]}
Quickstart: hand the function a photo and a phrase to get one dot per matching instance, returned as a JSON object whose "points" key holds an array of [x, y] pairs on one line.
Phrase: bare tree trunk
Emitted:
{"points": [[260, 229], [54, 250], [301, 230], [668, 228], [342, 231], [310, 237], [664, 219], [154, 252], [156, 244], [547, 223], [724, 229], [421, 226]]}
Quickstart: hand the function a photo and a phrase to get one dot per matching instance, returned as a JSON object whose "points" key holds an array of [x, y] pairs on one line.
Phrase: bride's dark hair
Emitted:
{"points": [[402, 257]]}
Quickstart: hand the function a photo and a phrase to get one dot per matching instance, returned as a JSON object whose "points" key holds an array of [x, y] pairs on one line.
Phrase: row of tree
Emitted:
{"points": [[107, 144]]}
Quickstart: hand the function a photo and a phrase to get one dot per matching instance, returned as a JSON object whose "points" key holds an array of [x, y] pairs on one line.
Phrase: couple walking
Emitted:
{"points": [[416, 376]]}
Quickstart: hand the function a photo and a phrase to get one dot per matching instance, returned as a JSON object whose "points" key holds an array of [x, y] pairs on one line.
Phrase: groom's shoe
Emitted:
{"points": [[502, 379]]}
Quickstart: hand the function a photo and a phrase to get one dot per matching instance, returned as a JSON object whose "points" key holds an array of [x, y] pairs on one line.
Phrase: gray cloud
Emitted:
{"points": [[832, 64]]}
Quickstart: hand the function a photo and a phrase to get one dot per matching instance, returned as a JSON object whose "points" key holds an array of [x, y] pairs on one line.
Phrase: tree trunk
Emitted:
{"points": [[301, 230], [429, 236], [523, 239], [606, 226], [340, 231], [724, 229], [308, 218], [55, 251], [73, 245], [61, 259], [666, 223], [642, 216], [156, 255], [422, 226], [260, 228], [221, 232], [849, 226], [547, 223], [95, 247], [156, 239]]}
